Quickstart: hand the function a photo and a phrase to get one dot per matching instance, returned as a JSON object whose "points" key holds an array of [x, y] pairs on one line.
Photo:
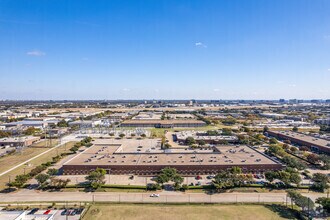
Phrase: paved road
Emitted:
{"points": [[165, 197], [65, 139]]}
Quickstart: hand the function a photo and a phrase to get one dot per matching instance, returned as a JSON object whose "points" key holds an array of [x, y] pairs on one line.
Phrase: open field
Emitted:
{"points": [[9, 161], [18, 158], [178, 212]]}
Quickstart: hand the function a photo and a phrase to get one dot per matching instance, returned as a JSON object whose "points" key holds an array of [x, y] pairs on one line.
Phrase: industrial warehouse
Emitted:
{"points": [[314, 144], [163, 123], [146, 157]]}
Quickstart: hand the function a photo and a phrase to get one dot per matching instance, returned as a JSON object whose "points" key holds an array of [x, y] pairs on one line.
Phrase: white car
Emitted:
{"points": [[154, 195]]}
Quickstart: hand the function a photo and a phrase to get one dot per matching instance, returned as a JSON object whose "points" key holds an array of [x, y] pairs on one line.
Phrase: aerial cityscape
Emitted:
{"points": [[144, 109]]}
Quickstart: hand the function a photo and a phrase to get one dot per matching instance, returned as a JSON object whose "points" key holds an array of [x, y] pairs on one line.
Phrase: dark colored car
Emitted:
{"points": [[33, 211], [79, 211], [64, 212]]}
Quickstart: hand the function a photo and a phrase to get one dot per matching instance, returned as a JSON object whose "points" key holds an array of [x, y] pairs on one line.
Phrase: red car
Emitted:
{"points": [[198, 177]]}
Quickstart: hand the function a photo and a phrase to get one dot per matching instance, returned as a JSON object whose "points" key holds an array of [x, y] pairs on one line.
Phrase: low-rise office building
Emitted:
{"points": [[18, 141]]}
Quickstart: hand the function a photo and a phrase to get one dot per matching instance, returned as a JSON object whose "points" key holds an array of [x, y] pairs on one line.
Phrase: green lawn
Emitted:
{"points": [[191, 212]]}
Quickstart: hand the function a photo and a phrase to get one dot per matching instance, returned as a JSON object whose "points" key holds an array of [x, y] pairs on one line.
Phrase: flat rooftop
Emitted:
{"points": [[152, 121], [18, 139], [304, 137], [148, 152]]}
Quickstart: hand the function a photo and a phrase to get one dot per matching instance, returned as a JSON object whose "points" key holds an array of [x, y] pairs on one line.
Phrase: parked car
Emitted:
{"points": [[47, 212], [210, 177], [198, 177], [154, 195], [64, 212], [33, 211], [79, 211]]}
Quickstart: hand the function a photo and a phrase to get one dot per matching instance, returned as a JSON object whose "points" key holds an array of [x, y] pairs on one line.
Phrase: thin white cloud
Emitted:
{"points": [[126, 90], [292, 85], [36, 53], [200, 44], [216, 90]]}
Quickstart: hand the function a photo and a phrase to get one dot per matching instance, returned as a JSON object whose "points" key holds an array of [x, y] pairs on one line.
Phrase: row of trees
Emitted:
{"points": [[305, 203], [231, 178], [48, 180], [122, 135], [85, 142], [287, 176], [285, 157], [20, 180]]}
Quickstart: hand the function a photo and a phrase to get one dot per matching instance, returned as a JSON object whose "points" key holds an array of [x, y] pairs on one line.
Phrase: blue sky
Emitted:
{"points": [[171, 49]]}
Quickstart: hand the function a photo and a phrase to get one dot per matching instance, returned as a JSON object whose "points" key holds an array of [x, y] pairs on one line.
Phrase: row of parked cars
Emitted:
{"points": [[72, 211]]}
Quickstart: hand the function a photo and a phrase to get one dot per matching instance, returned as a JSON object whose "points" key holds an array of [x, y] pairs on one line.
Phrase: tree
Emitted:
{"points": [[294, 163], [143, 135], [230, 178], [96, 178], [325, 161], [42, 179], [313, 158], [58, 183], [295, 129], [62, 123], [30, 131], [271, 176], [212, 133], [293, 149], [273, 141], [178, 180], [122, 135], [169, 174], [52, 172], [20, 180], [324, 202], [201, 142], [295, 178], [301, 201], [229, 121], [4, 134], [190, 141], [321, 181], [276, 150], [226, 131]]}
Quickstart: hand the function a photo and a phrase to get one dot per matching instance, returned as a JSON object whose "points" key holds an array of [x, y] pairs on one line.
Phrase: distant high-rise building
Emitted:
{"points": [[282, 100]]}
